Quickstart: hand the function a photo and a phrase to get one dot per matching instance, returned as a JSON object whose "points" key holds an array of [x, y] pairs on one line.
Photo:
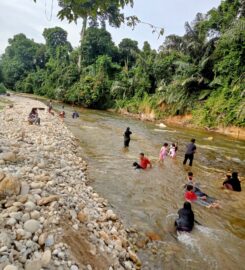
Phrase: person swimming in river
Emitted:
{"points": [[163, 152], [185, 221], [62, 114], [127, 134], [232, 182], [196, 189], [75, 115], [191, 196], [173, 149], [144, 162]]}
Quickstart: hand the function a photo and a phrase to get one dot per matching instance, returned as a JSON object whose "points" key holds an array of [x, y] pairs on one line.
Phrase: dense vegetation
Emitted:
{"points": [[201, 72]]}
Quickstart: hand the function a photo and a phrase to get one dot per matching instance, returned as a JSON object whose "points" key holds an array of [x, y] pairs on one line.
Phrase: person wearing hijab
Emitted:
{"points": [[232, 183], [127, 134], [185, 221]]}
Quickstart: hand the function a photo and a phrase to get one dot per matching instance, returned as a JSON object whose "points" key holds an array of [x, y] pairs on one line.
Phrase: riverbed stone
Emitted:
{"points": [[10, 185], [32, 225]]}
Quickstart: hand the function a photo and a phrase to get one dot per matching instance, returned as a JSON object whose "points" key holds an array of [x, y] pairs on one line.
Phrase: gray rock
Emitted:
{"points": [[10, 267], [5, 239], [24, 188], [32, 225], [25, 217], [33, 265], [30, 206], [11, 221], [49, 241], [46, 258], [16, 215], [74, 267]]}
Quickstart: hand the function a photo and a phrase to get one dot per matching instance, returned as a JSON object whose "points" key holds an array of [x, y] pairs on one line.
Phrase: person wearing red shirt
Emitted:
{"points": [[144, 162]]}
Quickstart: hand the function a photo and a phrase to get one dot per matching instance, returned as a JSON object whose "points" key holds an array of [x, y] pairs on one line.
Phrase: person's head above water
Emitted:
{"points": [[128, 128], [189, 187], [187, 205], [34, 110], [165, 144], [190, 175], [193, 140], [234, 175], [142, 155]]}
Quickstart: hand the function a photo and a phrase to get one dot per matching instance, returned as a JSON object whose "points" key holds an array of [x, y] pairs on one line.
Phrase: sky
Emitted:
{"points": [[25, 16]]}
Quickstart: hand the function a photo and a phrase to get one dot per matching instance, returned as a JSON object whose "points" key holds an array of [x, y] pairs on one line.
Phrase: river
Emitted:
{"points": [[149, 200]]}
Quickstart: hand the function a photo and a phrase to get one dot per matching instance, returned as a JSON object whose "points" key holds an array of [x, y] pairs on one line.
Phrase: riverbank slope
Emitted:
{"points": [[50, 217]]}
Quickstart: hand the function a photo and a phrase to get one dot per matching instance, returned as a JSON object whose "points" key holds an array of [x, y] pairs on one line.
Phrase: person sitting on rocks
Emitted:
{"points": [[33, 117]]}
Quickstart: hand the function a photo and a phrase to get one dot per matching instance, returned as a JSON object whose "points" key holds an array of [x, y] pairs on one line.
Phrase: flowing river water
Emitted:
{"points": [[149, 200]]}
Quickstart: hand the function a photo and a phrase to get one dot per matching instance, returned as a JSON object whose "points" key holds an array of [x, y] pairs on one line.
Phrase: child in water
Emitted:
{"points": [[163, 152], [173, 150]]}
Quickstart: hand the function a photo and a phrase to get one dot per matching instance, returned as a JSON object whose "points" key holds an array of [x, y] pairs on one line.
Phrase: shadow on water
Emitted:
{"points": [[149, 200]]}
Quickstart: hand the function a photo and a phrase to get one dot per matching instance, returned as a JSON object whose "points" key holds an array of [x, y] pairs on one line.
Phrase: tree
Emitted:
{"points": [[96, 42], [128, 49], [56, 37], [18, 59]]}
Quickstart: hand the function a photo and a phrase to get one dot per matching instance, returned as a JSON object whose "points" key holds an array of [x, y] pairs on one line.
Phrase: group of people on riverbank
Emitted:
{"points": [[192, 191], [33, 117]]}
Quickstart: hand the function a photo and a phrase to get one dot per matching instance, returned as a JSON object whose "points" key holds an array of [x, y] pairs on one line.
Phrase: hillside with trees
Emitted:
{"points": [[201, 72]]}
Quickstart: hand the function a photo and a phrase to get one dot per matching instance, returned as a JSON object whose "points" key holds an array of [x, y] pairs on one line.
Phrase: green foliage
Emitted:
{"points": [[201, 72], [3, 89]]}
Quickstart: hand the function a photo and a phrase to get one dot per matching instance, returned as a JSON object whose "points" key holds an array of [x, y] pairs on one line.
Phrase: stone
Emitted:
{"points": [[2, 175], [42, 238], [82, 217], [49, 241], [35, 185], [10, 267], [3, 249], [29, 206], [11, 221], [16, 215], [9, 186], [46, 200], [153, 236], [32, 225], [74, 267], [134, 257], [33, 265], [8, 156], [5, 239], [35, 214], [110, 215], [25, 217], [24, 188], [46, 258]]}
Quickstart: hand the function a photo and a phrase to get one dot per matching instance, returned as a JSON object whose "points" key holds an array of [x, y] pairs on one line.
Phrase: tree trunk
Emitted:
{"points": [[85, 19]]}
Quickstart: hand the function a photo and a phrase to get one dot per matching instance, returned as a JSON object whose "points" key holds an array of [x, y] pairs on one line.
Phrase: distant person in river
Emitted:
{"points": [[196, 189], [50, 106], [75, 115], [62, 114], [127, 134], [144, 162], [33, 117], [191, 196], [185, 221], [173, 149], [163, 152], [232, 182], [190, 151]]}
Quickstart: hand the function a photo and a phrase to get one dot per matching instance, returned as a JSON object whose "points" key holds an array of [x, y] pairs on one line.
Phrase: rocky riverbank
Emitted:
{"points": [[50, 218]]}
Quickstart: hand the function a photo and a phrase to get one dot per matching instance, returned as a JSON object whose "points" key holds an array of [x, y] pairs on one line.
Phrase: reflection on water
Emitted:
{"points": [[149, 200]]}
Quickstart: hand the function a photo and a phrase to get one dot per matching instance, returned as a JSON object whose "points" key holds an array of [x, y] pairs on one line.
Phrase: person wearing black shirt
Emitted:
{"points": [[233, 183], [185, 221], [190, 151], [127, 134]]}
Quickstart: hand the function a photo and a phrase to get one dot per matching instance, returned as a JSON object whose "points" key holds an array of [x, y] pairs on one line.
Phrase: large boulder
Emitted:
{"points": [[8, 156], [9, 186]]}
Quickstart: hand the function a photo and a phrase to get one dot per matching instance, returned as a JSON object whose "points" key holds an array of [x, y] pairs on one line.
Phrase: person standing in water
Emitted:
{"points": [[185, 221], [163, 152], [190, 151], [127, 134]]}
